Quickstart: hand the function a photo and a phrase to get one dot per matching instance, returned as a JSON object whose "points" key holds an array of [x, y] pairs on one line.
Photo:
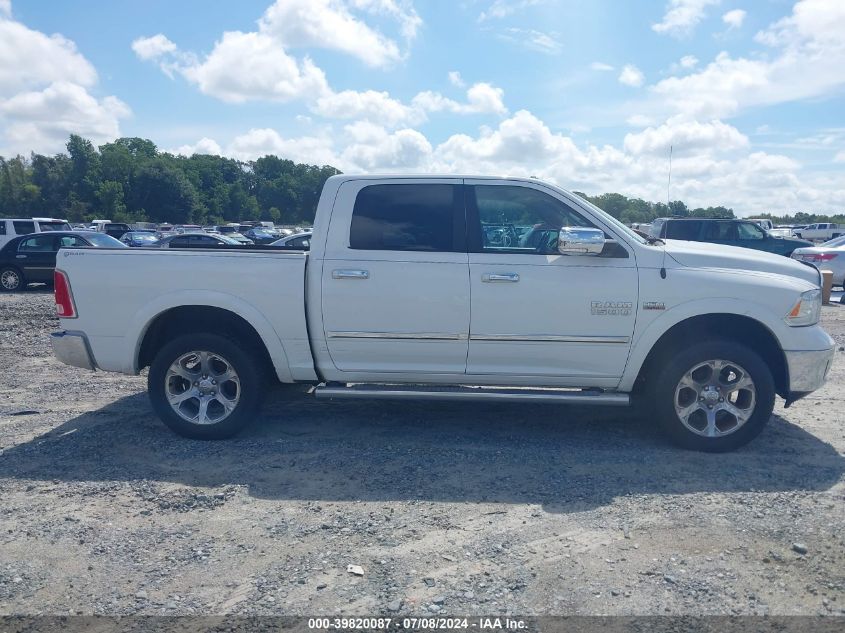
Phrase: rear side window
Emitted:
{"points": [[683, 230], [41, 244], [408, 217], [23, 228]]}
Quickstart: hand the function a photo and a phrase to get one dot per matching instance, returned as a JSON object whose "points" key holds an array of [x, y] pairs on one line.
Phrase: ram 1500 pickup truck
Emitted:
{"points": [[454, 288]]}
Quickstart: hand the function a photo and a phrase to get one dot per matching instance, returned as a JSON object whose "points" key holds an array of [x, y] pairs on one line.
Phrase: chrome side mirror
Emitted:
{"points": [[578, 240]]}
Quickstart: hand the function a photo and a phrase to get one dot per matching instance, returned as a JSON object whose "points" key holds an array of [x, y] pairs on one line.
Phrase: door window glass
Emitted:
{"points": [[721, 231], [23, 228], [179, 242], [748, 231], [71, 241], [406, 217], [521, 219], [39, 244], [683, 229]]}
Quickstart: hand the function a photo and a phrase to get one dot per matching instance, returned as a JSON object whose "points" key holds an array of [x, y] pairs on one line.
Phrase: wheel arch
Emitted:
{"points": [[723, 325], [244, 322]]}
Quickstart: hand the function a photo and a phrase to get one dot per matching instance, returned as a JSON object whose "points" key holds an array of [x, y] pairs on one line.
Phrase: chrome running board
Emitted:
{"points": [[500, 394]]}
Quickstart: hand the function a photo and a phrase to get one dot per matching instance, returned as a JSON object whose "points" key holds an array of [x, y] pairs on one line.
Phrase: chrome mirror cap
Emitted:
{"points": [[578, 240]]}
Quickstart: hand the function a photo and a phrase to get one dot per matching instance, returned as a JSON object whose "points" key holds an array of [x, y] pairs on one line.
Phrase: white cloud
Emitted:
{"points": [[42, 120], [532, 39], [686, 136], [840, 157], [329, 24], [688, 61], [367, 105], [455, 79], [482, 98], [734, 18], [372, 148], [5, 7], [639, 120], [682, 16], [503, 8], [259, 142], [631, 76], [601, 66], [809, 54], [153, 48], [203, 146], [44, 92]]}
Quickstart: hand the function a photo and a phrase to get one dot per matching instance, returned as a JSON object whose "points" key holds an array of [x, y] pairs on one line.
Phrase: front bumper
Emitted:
{"points": [[72, 349], [808, 371]]}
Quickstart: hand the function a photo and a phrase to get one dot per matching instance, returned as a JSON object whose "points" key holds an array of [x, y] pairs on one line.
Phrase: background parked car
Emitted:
{"points": [[139, 238], [828, 256], [728, 232], [32, 258], [259, 235], [114, 229], [196, 240], [297, 240], [231, 231], [820, 231], [12, 227]]}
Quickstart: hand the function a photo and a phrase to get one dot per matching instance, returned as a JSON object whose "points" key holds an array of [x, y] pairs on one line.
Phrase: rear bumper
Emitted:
{"points": [[808, 371], [72, 349]]}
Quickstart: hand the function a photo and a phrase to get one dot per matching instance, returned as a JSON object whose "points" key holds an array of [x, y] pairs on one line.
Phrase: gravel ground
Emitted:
{"points": [[451, 509]]}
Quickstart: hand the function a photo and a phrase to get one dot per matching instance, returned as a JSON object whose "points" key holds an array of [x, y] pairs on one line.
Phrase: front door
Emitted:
{"points": [[562, 319], [395, 291]]}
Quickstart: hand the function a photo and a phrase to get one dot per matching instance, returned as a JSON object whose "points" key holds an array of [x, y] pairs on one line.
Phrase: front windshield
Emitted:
{"points": [[144, 237]]}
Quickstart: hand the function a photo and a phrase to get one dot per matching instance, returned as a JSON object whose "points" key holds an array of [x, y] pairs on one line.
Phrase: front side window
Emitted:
{"points": [[39, 244], [748, 231], [407, 217], [71, 241], [24, 228], [520, 219]]}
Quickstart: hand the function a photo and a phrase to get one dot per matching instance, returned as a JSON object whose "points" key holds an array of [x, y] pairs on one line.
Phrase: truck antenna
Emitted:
{"points": [[669, 184]]}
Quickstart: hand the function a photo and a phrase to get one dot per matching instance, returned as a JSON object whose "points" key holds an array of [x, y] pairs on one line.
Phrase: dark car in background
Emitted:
{"points": [[259, 235], [32, 258], [115, 229], [728, 232], [196, 240], [139, 238]]}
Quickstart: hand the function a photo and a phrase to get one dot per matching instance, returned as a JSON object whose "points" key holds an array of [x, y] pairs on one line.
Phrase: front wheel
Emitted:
{"points": [[205, 386], [11, 279], [714, 396]]}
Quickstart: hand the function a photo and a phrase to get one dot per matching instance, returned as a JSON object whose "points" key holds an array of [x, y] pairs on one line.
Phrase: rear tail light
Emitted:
{"points": [[820, 257], [65, 307]]}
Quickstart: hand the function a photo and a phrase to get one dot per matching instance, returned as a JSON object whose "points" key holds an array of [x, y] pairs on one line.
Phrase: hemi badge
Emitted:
{"points": [[654, 305]]}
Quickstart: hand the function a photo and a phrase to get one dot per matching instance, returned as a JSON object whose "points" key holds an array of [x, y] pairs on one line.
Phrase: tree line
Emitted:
{"points": [[130, 180]]}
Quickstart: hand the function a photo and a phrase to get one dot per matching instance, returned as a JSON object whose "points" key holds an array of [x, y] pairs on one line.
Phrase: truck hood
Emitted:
{"points": [[705, 255]]}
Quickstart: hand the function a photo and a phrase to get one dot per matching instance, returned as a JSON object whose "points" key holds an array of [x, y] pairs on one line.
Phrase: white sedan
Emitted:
{"points": [[828, 256]]}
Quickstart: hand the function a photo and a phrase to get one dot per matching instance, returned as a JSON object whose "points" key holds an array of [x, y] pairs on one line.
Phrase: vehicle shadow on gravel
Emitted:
{"points": [[568, 459]]}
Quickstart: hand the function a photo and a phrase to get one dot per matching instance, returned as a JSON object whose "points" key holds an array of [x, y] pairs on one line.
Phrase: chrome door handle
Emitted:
{"points": [[500, 277], [350, 274]]}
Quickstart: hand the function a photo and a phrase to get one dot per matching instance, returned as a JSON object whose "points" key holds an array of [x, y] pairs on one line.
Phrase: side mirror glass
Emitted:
{"points": [[578, 240]]}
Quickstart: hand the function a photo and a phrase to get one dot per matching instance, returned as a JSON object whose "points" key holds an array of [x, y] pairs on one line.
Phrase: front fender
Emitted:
{"points": [[645, 339]]}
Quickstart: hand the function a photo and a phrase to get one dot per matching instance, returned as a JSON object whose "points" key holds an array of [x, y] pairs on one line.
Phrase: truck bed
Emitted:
{"points": [[266, 286]]}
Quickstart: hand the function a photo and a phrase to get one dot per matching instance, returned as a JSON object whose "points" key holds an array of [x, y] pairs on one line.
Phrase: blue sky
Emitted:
{"points": [[587, 94]]}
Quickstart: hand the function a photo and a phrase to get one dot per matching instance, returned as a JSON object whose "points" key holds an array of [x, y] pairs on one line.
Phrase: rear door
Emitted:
{"points": [[36, 257], [395, 291], [563, 319]]}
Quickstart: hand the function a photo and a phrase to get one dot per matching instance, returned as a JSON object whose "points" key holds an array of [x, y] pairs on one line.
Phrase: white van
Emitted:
{"points": [[11, 228]]}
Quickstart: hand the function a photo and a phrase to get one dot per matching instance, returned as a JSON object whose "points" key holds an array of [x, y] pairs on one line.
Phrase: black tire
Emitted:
{"points": [[246, 365], [8, 273], [668, 378]]}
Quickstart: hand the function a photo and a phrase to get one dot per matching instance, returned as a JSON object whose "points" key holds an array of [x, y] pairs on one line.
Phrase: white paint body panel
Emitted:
{"points": [[443, 324]]}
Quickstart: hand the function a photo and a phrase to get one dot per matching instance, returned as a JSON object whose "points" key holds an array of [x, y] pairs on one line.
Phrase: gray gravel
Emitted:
{"points": [[449, 509]]}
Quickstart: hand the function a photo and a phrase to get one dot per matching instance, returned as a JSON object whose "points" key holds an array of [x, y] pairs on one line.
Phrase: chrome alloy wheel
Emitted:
{"points": [[10, 280], [202, 387], [715, 398]]}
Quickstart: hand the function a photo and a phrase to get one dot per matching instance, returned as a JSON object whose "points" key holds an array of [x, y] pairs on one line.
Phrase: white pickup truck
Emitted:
{"points": [[822, 231], [454, 288]]}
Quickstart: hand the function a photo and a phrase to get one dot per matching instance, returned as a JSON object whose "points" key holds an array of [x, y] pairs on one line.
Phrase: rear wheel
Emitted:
{"points": [[205, 386], [714, 396], [11, 279]]}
